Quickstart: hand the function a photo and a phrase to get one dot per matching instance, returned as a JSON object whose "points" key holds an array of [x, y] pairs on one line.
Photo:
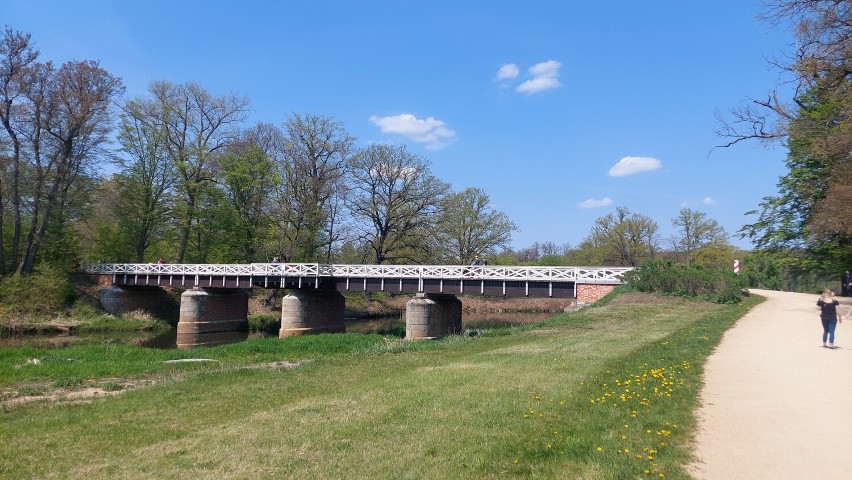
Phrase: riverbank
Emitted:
{"points": [[86, 313], [606, 392]]}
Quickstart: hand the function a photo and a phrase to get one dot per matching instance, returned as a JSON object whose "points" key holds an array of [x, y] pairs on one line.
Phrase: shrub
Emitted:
{"points": [[264, 323], [44, 292], [667, 277]]}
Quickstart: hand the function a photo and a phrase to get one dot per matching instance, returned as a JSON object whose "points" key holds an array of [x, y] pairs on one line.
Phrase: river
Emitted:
{"points": [[393, 325]]}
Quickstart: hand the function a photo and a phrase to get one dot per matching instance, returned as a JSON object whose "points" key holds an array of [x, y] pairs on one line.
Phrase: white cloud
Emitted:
{"points": [[508, 71], [545, 76], [708, 201], [595, 203], [434, 133], [633, 165]]}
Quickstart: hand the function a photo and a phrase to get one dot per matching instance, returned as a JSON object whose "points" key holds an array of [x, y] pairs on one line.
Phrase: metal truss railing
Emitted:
{"points": [[590, 275]]}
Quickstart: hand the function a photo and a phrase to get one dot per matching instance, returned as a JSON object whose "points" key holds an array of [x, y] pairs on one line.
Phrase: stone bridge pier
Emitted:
{"points": [[306, 311], [208, 316], [430, 315]]}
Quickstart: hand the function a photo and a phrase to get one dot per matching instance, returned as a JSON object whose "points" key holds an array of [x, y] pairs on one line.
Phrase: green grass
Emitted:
{"points": [[524, 403]]}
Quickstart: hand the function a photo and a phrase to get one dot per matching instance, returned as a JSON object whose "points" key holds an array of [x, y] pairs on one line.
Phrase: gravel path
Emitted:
{"points": [[776, 404]]}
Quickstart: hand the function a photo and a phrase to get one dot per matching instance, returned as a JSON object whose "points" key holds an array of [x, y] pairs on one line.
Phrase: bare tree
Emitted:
{"points": [[16, 56], [67, 121], [821, 63], [395, 199], [313, 168]]}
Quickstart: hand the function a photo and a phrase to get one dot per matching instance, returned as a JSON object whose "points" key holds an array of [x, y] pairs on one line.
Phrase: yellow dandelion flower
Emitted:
{"points": [[600, 449]]}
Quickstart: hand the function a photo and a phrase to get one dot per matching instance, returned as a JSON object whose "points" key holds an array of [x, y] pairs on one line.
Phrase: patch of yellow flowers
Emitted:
{"points": [[634, 393]]}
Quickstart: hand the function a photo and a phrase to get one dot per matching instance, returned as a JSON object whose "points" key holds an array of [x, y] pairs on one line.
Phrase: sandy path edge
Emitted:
{"points": [[775, 404]]}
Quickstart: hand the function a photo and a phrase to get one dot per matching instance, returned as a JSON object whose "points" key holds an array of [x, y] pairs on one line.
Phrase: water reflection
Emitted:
{"points": [[394, 325]]}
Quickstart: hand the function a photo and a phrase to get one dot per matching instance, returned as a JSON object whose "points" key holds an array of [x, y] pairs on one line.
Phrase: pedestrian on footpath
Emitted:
{"points": [[830, 315]]}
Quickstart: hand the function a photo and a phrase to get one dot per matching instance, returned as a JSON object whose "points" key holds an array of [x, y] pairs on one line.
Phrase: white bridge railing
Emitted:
{"points": [[591, 275]]}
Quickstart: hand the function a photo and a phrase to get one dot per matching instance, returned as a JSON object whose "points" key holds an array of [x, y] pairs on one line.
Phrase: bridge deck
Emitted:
{"points": [[557, 282]]}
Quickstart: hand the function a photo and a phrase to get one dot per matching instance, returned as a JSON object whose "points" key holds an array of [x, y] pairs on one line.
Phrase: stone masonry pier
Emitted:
{"points": [[308, 311], [430, 315], [205, 314]]}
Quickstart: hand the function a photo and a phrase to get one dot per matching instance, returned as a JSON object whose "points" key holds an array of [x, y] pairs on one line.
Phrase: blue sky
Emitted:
{"points": [[562, 111]]}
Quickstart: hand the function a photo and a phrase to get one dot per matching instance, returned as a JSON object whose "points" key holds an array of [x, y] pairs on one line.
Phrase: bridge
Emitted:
{"points": [[217, 298]]}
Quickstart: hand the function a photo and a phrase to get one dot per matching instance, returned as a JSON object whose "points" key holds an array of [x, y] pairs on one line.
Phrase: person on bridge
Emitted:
{"points": [[830, 315], [847, 284]]}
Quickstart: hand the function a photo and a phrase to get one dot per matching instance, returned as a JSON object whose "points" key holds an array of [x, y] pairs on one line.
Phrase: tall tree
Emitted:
{"points": [[16, 56], [68, 120], [806, 217], [146, 176], [695, 231], [315, 156], [197, 124], [623, 238], [248, 177], [815, 124], [469, 227], [395, 200]]}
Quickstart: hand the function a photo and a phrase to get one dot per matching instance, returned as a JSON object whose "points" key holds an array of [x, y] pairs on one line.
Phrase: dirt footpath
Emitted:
{"points": [[776, 404]]}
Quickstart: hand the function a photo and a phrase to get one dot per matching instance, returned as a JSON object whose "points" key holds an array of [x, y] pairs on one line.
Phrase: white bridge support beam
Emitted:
{"points": [[207, 315], [430, 315], [309, 311]]}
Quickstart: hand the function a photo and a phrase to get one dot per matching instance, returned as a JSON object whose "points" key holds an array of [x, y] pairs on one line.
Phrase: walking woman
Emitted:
{"points": [[830, 315]]}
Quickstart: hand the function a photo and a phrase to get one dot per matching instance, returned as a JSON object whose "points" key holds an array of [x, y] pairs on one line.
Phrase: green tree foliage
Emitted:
{"points": [[762, 270], [469, 227], [248, 179], [796, 220], [197, 125], [694, 232], [806, 220], [146, 177], [620, 238]]}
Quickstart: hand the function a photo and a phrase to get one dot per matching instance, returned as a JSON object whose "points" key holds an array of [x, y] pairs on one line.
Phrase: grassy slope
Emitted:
{"points": [[542, 403]]}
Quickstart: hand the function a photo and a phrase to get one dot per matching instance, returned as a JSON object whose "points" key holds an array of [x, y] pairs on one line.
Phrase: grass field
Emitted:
{"points": [[608, 392]]}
